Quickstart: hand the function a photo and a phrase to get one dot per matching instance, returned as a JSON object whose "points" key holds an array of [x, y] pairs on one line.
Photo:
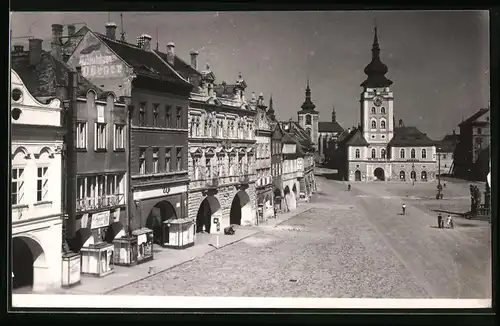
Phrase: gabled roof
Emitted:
{"points": [[145, 63], [475, 116], [356, 138], [329, 126], [182, 67], [43, 79], [410, 136]]}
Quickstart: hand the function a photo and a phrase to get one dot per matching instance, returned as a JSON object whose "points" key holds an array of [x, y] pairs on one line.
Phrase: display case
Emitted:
{"points": [[70, 269], [180, 233], [125, 251], [97, 259], [144, 244]]}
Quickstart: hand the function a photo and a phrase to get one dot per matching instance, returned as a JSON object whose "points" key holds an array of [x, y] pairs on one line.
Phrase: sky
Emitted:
{"points": [[438, 60]]}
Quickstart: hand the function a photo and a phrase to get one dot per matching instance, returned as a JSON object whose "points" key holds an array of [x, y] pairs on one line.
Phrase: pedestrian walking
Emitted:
{"points": [[404, 208], [349, 187], [444, 184], [440, 221], [449, 221]]}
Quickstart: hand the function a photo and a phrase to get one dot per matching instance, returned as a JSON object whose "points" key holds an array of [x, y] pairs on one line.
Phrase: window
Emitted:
{"points": [[179, 118], [119, 136], [168, 113], [17, 186], [382, 152], [374, 153], [142, 160], [308, 119], [402, 175], [444, 156], [42, 181], [142, 114], [423, 175], [357, 153], [383, 136], [81, 135], [479, 131], [155, 161], [424, 153], [374, 110], [374, 124], [382, 110], [155, 115], [100, 135], [179, 159], [412, 153], [382, 124], [402, 153], [168, 152]]}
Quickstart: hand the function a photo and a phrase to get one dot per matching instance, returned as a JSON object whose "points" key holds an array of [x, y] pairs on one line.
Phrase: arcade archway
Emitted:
{"points": [[160, 213], [379, 173], [290, 199], [209, 207], [357, 175], [28, 263], [241, 208]]}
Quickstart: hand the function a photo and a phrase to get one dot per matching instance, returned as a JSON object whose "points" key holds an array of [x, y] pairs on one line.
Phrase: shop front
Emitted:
{"points": [[265, 203], [97, 253]]}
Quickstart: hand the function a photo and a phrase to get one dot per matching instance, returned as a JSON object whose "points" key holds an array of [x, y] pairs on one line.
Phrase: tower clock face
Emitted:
{"points": [[377, 101]]}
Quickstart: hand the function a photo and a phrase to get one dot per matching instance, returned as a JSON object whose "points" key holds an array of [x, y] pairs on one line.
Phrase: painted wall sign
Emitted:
{"points": [[100, 220], [145, 194], [96, 60]]}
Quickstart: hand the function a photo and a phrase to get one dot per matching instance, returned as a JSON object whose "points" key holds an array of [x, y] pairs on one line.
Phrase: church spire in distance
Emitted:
{"points": [[376, 70], [308, 105]]}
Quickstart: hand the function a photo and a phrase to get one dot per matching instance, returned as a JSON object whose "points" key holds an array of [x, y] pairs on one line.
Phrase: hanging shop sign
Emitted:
{"points": [[100, 220]]}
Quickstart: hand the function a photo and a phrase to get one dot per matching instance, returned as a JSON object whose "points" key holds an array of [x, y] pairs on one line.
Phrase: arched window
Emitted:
{"points": [[357, 153], [423, 175], [382, 124], [309, 132], [308, 119], [412, 153], [17, 181], [374, 110], [382, 153], [382, 110], [374, 124], [402, 175], [374, 153], [424, 153], [402, 153], [413, 175]]}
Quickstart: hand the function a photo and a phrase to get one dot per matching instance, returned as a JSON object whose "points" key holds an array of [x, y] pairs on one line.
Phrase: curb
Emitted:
{"points": [[179, 264]]}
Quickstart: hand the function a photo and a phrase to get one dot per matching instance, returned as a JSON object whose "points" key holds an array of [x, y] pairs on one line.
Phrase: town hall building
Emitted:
{"points": [[377, 149]]}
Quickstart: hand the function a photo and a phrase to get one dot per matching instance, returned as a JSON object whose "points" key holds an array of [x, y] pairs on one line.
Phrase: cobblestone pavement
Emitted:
{"points": [[328, 251], [455, 263]]}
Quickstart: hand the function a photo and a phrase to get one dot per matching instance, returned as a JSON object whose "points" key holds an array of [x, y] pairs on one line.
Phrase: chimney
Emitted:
{"points": [[18, 48], [140, 42], [401, 124], [35, 51], [194, 62], [57, 30], [71, 30], [171, 53], [146, 42], [111, 30]]}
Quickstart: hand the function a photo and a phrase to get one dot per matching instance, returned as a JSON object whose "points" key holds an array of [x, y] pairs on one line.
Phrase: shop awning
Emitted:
{"points": [[81, 236], [112, 231]]}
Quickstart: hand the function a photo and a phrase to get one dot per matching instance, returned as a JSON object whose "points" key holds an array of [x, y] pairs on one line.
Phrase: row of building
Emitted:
{"points": [[117, 147], [378, 149]]}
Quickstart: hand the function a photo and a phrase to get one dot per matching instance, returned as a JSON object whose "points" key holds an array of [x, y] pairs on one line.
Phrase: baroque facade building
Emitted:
{"points": [[472, 153], [377, 149], [221, 155], [36, 192], [264, 182]]}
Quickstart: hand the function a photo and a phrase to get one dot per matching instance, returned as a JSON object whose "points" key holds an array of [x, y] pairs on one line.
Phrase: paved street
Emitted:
{"points": [[350, 245]]}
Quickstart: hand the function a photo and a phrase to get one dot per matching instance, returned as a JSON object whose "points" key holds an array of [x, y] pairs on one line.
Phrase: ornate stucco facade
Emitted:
{"points": [[37, 143], [221, 159]]}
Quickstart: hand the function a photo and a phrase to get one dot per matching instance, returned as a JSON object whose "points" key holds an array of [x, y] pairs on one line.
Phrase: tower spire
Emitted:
{"points": [[308, 105], [376, 70]]}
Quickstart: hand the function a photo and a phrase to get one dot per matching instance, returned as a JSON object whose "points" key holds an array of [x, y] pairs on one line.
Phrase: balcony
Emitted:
{"points": [[87, 204]]}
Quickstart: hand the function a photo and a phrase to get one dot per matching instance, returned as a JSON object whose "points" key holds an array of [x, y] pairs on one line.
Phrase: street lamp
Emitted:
{"points": [[439, 187], [414, 175]]}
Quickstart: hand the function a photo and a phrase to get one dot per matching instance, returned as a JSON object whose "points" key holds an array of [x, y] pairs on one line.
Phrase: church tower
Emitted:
{"points": [[309, 117], [377, 113]]}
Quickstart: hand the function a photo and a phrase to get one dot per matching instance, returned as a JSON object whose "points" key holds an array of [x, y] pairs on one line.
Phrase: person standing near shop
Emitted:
{"points": [[404, 208], [440, 221]]}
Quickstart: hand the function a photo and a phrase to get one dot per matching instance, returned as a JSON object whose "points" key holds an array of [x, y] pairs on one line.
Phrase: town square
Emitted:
{"points": [[251, 154]]}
